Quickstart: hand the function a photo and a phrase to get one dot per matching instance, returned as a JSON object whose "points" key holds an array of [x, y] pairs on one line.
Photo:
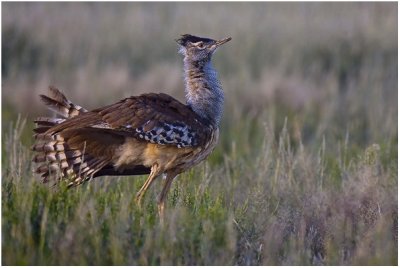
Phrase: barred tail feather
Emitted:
{"points": [[53, 155], [57, 161], [57, 102]]}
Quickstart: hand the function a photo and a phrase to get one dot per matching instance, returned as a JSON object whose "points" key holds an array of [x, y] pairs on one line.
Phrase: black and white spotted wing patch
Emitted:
{"points": [[177, 134]]}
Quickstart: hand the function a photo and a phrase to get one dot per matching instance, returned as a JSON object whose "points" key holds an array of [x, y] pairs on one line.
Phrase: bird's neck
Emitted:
{"points": [[203, 90]]}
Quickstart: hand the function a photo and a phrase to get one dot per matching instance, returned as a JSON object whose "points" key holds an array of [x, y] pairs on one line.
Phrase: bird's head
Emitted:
{"points": [[198, 49]]}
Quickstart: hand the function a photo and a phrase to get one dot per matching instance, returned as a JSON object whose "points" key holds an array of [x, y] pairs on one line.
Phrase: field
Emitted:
{"points": [[306, 170]]}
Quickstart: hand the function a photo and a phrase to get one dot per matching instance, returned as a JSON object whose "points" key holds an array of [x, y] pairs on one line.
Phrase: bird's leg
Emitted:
{"points": [[153, 175], [164, 193]]}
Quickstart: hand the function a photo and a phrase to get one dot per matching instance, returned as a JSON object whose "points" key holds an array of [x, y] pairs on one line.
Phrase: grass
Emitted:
{"points": [[305, 172], [283, 205]]}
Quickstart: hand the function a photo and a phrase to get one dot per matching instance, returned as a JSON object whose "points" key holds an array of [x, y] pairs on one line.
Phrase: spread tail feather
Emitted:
{"points": [[53, 155], [55, 158], [57, 102]]}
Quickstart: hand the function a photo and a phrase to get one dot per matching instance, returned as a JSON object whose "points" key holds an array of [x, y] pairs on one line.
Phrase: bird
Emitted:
{"points": [[152, 133]]}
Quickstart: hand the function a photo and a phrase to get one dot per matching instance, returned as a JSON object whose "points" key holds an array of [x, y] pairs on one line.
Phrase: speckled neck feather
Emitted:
{"points": [[203, 90]]}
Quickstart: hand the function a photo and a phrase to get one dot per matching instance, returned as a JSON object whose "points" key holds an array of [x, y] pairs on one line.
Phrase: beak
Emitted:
{"points": [[223, 41]]}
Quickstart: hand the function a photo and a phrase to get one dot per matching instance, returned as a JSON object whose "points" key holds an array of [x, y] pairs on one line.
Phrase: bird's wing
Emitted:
{"points": [[155, 118]]}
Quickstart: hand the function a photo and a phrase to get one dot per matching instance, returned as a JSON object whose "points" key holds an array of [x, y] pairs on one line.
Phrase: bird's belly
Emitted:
{"points": [[134, 152], [168, 156]]}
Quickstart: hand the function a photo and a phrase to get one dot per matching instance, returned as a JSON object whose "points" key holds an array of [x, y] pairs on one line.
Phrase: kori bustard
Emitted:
{"points": [[148, 134]]}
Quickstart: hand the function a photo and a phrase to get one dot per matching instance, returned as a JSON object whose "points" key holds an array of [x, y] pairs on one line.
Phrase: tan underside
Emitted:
{"points": [[134, 152]]}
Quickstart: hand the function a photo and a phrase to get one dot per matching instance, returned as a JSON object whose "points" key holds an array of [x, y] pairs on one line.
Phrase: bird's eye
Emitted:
{"points": [[201, 45]]}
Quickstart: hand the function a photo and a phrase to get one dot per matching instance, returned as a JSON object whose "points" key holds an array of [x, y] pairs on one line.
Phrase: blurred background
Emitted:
{"points": [[331, 68], [306, 169]]}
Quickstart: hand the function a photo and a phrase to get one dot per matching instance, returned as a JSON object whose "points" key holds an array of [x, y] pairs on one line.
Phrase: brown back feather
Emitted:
{"points": [[135, 116]]}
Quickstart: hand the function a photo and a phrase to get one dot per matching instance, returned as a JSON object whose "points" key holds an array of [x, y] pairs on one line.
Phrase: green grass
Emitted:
{"points": [[284, 204], [305, 172]]}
